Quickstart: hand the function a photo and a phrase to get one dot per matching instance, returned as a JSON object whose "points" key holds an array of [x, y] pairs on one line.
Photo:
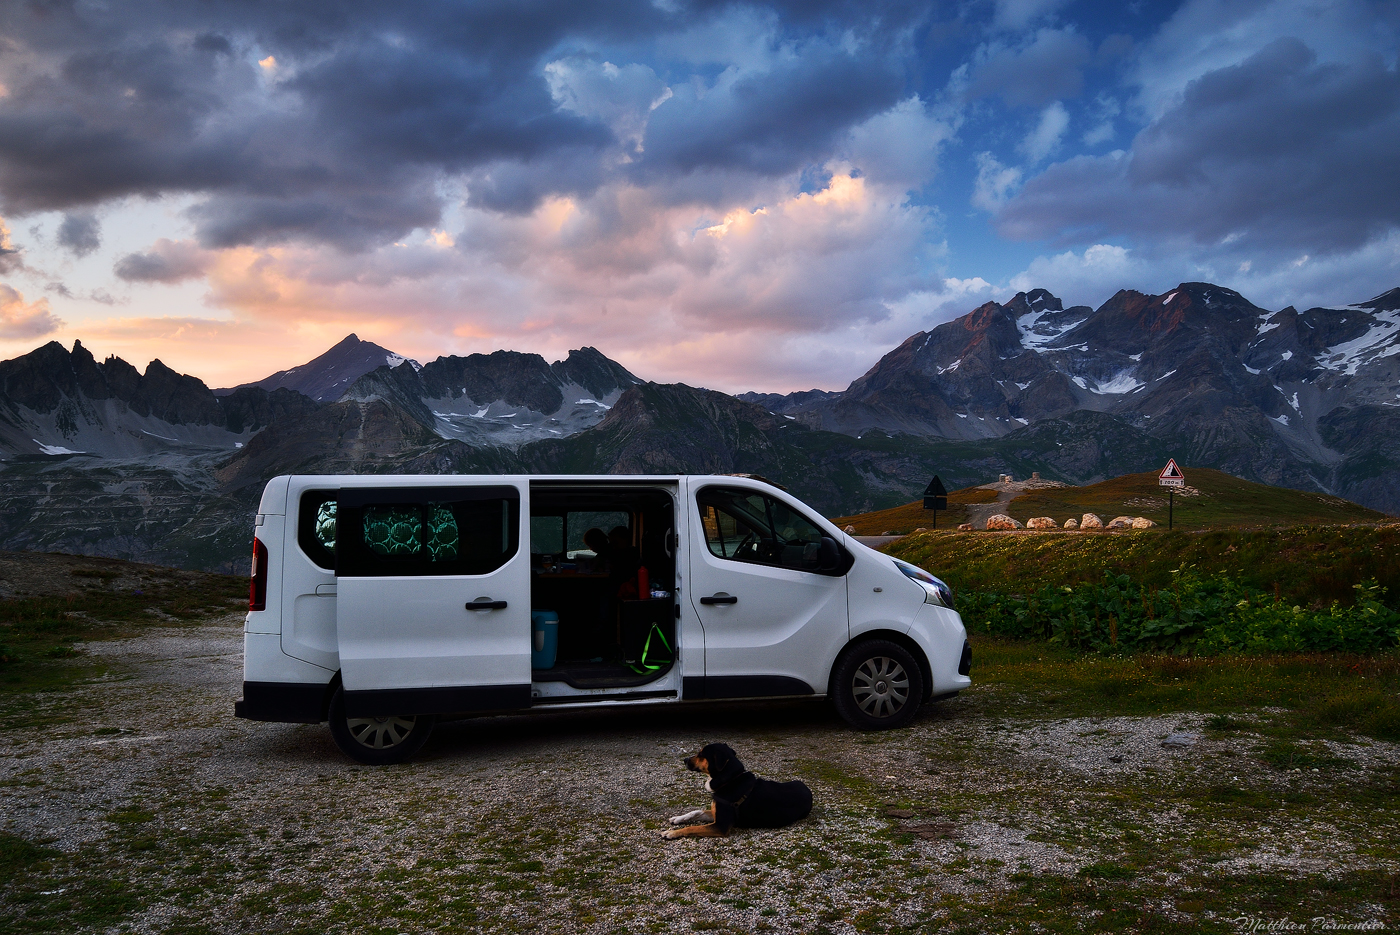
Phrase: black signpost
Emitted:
{"points": [[935, 498], [1171, 478]]}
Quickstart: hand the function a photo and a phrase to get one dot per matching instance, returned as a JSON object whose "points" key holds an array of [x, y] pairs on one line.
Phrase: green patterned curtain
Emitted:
{"points": [[442, 533], [325, 524], [394, 530]]}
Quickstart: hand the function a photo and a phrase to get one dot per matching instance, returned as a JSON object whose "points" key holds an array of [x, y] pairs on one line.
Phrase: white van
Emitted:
{"points": [[379, 602]]}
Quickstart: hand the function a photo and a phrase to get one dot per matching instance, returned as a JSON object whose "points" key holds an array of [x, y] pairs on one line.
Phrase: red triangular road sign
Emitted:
{"points": [[1171, 470]]}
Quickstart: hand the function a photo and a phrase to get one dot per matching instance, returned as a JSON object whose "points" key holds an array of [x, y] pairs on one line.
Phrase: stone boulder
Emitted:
{"points": [[851, 530], [1090, 521], [922, 529], [1071, 523], [1041, 522], [1002, 521], [965, 527], [1142, 522], [1121, 522]]}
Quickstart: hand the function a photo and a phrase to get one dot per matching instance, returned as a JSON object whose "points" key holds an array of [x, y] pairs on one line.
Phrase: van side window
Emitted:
{"points": [[461, 531], [746, 526], [316, 526]]}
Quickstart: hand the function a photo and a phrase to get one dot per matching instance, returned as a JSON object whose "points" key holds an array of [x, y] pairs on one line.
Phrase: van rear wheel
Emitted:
{"points": [[377, 741], [877, 685]]}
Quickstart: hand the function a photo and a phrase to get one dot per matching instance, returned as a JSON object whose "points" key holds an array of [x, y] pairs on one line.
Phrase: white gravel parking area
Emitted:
{"points": [[156, 811]]}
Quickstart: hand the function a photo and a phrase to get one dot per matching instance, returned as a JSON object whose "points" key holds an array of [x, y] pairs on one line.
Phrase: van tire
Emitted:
{"points": [[877, 685], [377, 741]]}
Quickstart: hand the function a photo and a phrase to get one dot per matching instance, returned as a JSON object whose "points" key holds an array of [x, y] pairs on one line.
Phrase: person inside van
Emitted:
{"points": [[597, 542], [623, 562]]}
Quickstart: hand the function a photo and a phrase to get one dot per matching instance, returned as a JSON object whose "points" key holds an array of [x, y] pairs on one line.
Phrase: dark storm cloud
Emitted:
{"points": [[369, 106], [167, 261], [80, 232], [1049, 67], [1279, 152], [771, 123]]}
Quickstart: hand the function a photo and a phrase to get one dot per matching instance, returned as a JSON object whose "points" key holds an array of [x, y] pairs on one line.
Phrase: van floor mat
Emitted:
{"points": [[595, 675]]}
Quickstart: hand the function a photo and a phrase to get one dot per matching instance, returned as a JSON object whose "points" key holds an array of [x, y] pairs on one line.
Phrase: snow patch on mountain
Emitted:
{"points": [[1379, 341], [1124, 382], [1037, 335], [493, 422]]}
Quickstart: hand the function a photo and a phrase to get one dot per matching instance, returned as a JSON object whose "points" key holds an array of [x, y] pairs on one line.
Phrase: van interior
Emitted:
{"points": [[602, 559]]}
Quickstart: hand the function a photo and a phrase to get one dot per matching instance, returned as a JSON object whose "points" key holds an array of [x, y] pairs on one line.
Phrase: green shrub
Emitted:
{"points": [[1200, 616]]}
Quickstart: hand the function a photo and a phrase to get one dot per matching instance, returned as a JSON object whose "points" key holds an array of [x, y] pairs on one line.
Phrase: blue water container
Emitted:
{"points": [[544, 638]]}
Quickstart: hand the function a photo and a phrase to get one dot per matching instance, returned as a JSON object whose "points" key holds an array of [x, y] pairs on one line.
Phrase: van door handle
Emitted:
{"points": [[720, 599], [486, 604]]}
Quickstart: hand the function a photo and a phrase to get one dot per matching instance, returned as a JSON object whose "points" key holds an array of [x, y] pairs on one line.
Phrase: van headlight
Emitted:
{"points": [[935, 591]]}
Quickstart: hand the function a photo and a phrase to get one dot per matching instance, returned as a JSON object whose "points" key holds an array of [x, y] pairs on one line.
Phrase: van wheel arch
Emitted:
{"points": [[893, 636], [331, 687]]}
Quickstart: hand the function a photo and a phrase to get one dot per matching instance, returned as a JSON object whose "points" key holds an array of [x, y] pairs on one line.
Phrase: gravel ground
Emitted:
{"points": [[151, 793]]}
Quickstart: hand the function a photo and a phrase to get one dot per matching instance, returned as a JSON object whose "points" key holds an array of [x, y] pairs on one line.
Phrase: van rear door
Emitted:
{"points": [[433, 609]]}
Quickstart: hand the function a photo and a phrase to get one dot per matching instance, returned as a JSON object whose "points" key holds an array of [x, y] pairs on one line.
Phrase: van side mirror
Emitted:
{"points": [[829, 558]]}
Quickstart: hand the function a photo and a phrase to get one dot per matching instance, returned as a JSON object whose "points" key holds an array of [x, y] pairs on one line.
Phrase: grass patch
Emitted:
{"points": [[1290, 695], [37, 633], [901, 520], [18, 855]]}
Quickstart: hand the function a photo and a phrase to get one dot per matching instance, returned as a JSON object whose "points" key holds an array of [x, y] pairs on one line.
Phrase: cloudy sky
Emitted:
{"points": [[734, 195]]}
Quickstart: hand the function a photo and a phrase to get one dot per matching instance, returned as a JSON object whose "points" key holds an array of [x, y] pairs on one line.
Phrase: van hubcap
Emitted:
{"points": [[377, 733], [880, 686]]}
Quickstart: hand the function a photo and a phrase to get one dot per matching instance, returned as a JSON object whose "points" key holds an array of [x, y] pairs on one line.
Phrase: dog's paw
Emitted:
{"points": [[672, 834], [688, 817]]}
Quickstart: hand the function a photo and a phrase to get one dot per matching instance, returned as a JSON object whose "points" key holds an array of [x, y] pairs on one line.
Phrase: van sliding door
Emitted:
{"points": [[433, 609]]}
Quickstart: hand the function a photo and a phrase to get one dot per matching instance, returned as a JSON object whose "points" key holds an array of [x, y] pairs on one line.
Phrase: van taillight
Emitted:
{"points": [[257, 585]]}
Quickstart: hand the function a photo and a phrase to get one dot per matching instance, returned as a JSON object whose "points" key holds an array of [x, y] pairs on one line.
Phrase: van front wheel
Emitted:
{"points": [[377, 741], [877, 685]]}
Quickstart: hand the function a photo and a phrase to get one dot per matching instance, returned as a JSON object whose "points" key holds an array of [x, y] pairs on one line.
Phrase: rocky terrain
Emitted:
{"points": [[98, 458]]}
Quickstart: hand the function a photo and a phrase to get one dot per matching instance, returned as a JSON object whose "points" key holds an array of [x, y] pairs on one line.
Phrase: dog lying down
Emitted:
{"points": [[741, 799]]}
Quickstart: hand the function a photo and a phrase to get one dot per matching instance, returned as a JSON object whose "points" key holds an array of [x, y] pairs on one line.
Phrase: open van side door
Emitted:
{"points": [[433, 603]]}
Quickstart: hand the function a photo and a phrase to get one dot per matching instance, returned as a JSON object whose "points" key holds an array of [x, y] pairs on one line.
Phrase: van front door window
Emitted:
{"points": [[749, 527]]}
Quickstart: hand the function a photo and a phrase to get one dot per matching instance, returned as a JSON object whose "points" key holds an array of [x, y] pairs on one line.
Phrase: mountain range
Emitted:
{"points": [[99, 458]]}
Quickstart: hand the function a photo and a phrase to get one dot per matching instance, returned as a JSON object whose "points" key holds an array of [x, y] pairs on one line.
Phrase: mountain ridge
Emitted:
{"points": [[99, 458]]}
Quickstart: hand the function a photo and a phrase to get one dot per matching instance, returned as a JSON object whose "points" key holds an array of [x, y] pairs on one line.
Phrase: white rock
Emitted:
{"points": [[1090, 521], [1142, 522], [1121, 522], [1002, 521], [1071, 523], [1041, 522]]}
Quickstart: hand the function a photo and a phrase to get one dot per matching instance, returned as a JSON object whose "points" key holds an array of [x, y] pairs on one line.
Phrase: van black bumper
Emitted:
{"points": [[289, 702]]}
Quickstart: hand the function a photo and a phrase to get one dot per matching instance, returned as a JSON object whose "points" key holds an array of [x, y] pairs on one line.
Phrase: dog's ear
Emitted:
{"points": [[724, 762]]}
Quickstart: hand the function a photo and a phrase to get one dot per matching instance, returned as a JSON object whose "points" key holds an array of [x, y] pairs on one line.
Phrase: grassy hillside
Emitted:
{"points": [[1305, 565], [1214, 500], [1223, 500], [911, 516]]}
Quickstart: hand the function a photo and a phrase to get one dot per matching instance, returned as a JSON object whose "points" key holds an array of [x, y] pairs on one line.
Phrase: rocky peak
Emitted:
{"points": [[1385, 302], [327, 377], [512, 377], [589, 368]]}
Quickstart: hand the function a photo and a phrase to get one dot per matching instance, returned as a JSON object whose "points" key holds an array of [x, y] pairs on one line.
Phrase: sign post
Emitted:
{"points": [[935, 498], [1171, 478]]}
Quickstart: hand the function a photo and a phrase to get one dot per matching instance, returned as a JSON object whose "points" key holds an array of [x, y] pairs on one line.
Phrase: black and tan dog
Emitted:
{"points": [[741, 799]]}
